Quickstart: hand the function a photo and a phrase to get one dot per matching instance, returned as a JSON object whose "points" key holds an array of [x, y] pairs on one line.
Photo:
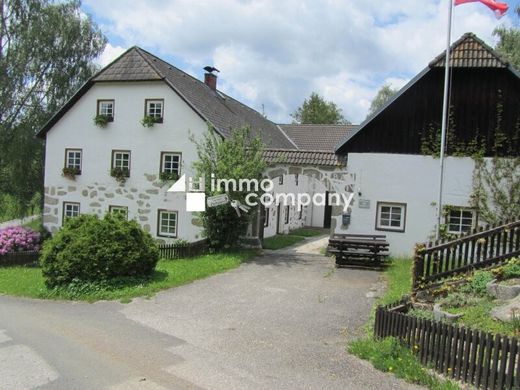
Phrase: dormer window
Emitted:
{"points": [[154, 108], [106, 108]]}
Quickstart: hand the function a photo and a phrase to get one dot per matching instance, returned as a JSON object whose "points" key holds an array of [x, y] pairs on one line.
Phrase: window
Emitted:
{"points": [[167, 223], [70, 210], [296, 179], [155, 109], [266, 217], [121, 160], [391, 216], [300, 216], [106, 108], [119, 210], [460, 220], [171, 163], [286, 215], [280, 180], [73, 160]]}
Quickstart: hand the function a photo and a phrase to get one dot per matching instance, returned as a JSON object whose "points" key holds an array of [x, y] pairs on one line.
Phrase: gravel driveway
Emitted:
{"points": [[280, 321]]}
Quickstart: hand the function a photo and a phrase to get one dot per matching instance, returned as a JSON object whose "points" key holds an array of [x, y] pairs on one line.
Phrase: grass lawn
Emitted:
{"points": [[281, 241], [35, 224], [29, 282], [389, 355], [304, 232]]}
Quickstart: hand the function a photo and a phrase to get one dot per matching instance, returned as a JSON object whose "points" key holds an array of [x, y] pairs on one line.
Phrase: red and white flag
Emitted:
{"points": [[498, 8]]}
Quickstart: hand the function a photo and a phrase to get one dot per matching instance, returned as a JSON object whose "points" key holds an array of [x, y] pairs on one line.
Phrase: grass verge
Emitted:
{"points": [[281, 241], [29, 282], [388, 355], [304, 232]]}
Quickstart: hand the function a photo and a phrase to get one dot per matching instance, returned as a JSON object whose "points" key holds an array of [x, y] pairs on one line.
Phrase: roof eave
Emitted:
{"points": [[369, 119]]}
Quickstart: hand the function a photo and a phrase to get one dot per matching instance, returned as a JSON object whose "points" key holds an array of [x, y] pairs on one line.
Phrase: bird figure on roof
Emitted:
{"points": [[211, 69]]}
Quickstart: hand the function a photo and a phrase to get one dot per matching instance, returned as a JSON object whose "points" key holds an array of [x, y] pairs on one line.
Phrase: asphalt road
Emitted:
{"points": [[278, 322]]}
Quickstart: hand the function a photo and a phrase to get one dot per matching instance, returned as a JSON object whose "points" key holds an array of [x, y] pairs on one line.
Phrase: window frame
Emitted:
{"points": [[113, 159], [402, 227], [64, 217], [159, 233], [280, 180], [460, 209], [98, 108], [297, 179], [66, 165], [146, 112], [161, 163], [287, 213], [112, 208]]}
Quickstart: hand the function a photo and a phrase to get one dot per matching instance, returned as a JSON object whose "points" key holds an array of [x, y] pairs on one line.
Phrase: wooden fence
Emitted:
{"points": [[19, 258], [481, 248], [482, 359], [179, 251]]}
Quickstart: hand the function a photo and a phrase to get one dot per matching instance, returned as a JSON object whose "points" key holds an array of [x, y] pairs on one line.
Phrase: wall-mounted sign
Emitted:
{"points": [[217, 200], [364, 203]]}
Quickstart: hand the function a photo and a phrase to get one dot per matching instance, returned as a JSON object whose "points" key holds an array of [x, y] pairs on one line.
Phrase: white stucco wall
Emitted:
{"points": [[289, 186], [409, 179], [142, 193]]}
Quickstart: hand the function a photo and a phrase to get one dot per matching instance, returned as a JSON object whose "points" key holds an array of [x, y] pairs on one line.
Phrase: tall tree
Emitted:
{"points": [[235, 158], [46, 53], [316, 110], [383, 95], [508, 44]]}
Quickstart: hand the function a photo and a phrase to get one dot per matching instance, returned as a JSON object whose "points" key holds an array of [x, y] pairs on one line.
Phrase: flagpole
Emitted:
{"points": [[444, 117]]}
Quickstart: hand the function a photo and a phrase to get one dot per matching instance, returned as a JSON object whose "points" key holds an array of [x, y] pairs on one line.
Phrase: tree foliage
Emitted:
{"points": [[508, 44], [316, 110], [382, 96], [46, 53], [237, 157]]}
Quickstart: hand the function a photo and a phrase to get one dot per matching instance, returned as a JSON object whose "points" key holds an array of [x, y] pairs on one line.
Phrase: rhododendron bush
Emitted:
{"points": [[18, 239]]}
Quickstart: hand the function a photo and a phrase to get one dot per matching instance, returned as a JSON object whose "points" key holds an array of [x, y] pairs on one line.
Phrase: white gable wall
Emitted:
{"points": [[409, 179], [142, 193]]}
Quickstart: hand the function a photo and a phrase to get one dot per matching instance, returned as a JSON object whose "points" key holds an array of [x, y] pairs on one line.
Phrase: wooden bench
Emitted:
{"points": [[363, 250]]}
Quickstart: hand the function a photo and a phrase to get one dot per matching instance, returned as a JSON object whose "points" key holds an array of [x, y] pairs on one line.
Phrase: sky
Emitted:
{"points": [[272, 54]]}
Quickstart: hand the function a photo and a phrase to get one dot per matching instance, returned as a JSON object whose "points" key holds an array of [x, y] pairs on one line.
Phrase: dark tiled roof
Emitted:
{"points": [[130, 66], [222, 111], [470, 52], [303, 157], [317, 137]]}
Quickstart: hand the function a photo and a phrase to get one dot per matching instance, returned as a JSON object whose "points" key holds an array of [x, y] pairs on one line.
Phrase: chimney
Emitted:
{"points": [[210, 79]]}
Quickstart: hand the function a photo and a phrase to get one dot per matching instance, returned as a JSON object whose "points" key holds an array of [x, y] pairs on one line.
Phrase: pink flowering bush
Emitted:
{"points": [[18, 239]]}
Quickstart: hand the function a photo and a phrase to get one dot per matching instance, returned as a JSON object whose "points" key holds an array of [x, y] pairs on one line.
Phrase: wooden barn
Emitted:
{"points": [[484, 97]]}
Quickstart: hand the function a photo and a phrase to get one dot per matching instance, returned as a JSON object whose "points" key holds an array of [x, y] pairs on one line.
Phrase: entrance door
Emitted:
{"points": [[278, 218], [328, 212]]}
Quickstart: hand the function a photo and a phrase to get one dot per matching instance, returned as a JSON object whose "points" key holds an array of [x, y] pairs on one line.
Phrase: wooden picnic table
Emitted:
{"points": [[359, 249]]}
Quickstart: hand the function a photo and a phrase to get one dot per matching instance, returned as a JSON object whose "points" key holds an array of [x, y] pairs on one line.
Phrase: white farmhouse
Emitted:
{"points": [[386, 162], [119, 142]]}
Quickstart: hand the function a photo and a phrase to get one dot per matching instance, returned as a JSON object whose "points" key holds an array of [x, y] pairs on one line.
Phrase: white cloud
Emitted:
{"points": [[110, 54], [275, 53]]}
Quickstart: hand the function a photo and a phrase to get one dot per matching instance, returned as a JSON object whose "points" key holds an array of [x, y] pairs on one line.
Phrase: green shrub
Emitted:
{"points": [[90, 249], [509, 270], [477, 283]]}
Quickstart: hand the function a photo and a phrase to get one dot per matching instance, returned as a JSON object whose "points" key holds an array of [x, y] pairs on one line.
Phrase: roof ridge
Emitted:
{"points": [[316, 124], [139, 51]]}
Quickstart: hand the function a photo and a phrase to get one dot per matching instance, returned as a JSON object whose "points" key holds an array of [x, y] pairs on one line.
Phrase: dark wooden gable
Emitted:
{"points": [[481, 82]]}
